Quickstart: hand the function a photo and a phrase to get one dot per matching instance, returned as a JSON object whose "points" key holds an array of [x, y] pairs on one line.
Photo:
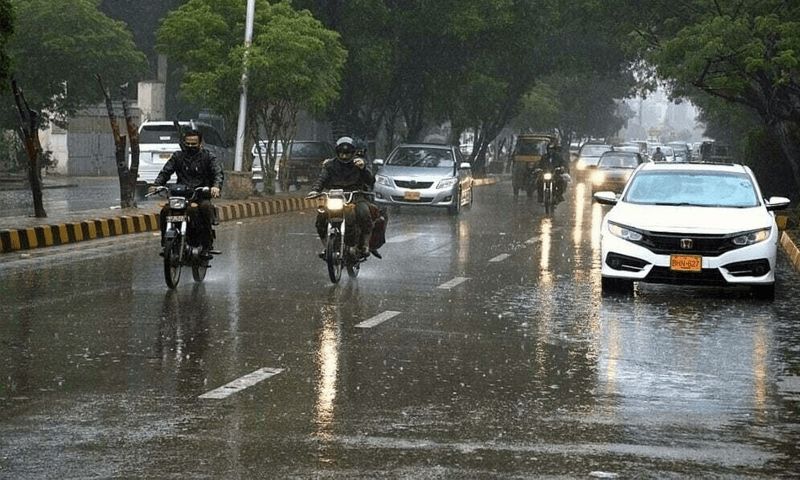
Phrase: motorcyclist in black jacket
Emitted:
{"points": [[552, 160], [349, 173], [195, 167]]}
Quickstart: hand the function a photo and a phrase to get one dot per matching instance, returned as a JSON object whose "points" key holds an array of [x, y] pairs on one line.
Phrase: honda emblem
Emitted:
{"points": [[687, 243]]}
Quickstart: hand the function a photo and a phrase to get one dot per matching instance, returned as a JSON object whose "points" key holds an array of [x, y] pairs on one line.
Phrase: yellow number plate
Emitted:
{"points": [[686, 263], [411, 196]]}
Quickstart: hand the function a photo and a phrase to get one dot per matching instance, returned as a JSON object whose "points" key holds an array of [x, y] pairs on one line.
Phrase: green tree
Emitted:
{"points": [[58, 47], [6, 29], [294, 63], [744, 52]]}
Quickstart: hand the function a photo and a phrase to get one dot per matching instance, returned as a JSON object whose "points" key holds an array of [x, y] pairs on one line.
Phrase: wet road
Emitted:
{"points": [[480, 347]]}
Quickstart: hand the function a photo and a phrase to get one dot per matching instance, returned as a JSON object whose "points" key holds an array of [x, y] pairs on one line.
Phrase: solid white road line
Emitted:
{"points": [[452, 283], [378, 319], [500, 258], [241, 383]]}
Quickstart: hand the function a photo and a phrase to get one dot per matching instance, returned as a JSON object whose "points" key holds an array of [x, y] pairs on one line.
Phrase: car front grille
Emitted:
{"points": [[413, 184], [400, 198], [706, 245]]}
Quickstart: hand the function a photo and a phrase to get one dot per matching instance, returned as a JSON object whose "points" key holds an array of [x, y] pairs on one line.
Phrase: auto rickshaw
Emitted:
{"points": [[528, 152]]}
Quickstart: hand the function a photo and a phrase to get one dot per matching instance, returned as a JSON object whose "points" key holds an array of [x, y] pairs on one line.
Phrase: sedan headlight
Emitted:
{"points": [[382, 180], [178, 203], [624, 232], [447, 182], [749, 238]]}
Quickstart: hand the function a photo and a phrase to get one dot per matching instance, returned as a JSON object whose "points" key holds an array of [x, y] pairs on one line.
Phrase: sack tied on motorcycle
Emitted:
{"points": [[379, 220]]}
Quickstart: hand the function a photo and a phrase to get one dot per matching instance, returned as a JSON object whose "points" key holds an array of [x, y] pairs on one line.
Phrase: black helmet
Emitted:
{"points": [[345, 149]]}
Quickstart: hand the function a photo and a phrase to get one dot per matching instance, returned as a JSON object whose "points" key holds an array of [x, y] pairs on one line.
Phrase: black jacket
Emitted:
{"points": [[347, 176], [199, 170]]}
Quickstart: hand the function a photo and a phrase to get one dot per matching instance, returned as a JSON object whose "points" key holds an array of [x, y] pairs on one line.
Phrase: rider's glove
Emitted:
{"points": [[214, 192], [313, 193], [152, 189], [359, 163]]}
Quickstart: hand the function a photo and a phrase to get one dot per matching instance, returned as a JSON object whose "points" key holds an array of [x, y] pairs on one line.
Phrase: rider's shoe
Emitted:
{"points": [[375, 254], [321, 254]]}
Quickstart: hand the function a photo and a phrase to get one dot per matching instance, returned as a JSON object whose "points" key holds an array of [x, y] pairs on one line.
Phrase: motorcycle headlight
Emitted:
{"points": [[178, 203], [382, 180], [447, 182], [334, 204], [598, 178], [548, 176], [749, 238], [624, 232]]}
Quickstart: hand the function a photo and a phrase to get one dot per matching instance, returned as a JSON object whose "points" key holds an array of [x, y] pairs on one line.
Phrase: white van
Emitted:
{"points": [[159, 140]]}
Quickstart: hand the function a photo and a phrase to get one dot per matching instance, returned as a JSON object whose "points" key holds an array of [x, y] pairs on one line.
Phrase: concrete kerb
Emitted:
{"points": [[47, 235], [791, 250]]}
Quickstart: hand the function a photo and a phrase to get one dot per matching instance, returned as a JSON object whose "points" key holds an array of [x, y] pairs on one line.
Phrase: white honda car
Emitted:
{"points": [[694, 224]]}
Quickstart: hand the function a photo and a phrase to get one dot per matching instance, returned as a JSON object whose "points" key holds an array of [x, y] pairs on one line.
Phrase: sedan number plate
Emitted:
{"points": [[686, 263], [411, 196], [176, 218]]}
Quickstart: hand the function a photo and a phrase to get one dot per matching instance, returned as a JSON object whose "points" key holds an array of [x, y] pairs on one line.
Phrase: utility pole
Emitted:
{"points": [[248, 40]]}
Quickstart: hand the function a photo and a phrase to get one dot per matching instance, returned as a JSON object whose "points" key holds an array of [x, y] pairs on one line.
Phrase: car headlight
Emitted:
{"points": [[178, 203], [624, 232], [749, 238], [598, 178], [382, 180], [447, 182], [334, 204]]}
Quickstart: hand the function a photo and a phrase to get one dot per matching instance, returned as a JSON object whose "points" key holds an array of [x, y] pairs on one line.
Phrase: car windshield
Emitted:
{"points": [[311, 149], [617, 161], [594, 150], [531, 147], [158, 134], [421, 157], [696, 188]]}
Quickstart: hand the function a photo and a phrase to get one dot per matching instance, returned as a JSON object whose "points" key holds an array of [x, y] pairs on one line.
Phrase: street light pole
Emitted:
{"points": [[248, 40]]}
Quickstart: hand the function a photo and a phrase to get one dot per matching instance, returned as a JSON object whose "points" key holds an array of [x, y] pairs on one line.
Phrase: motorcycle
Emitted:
{"points": [[180, 247], [341, 249], [547, 194]]}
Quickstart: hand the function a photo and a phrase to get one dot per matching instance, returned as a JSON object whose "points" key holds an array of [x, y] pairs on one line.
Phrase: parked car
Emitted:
{"points": [[614, 169], [690, 224], [258, 156], [589, 154], [303, 162], [159, 140], [424, 174]]}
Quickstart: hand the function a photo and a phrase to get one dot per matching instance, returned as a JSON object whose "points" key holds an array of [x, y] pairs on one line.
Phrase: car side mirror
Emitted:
{"points": [[777, 203], [606, 198], [465, 166], [377, 162]]}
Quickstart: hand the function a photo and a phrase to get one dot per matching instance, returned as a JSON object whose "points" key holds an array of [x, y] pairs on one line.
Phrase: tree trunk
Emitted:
{"points": [[29, 133], [120, 142], [128, 180], [789, 135]]}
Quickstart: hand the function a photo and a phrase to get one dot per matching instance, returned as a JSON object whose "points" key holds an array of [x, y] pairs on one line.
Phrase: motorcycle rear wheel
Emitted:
{"points": [[199, 269], [333, 257], [353, 269], [172, 265]]}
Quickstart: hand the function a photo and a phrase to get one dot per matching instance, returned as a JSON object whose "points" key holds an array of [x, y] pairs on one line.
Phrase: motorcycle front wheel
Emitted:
{"points": [[333, 257], [548, 199], [172, 264]]}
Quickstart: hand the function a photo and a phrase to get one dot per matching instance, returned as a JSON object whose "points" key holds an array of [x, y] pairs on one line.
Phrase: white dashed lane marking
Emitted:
{"points": [[452, 283], [241, 383], [378, 319]]}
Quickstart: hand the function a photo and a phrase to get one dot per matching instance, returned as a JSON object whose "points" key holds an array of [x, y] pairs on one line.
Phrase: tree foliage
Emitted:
{"points": [[743, 52], [6, 29], [58, 47], [294, 62]]}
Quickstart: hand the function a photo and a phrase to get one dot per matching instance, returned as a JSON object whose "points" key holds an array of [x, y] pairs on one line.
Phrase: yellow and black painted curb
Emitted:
{"points": [[67, 233], [791, 250]]}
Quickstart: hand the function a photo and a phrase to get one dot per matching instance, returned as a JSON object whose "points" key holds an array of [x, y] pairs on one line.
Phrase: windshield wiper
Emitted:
{"points": [[678, 204]]}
